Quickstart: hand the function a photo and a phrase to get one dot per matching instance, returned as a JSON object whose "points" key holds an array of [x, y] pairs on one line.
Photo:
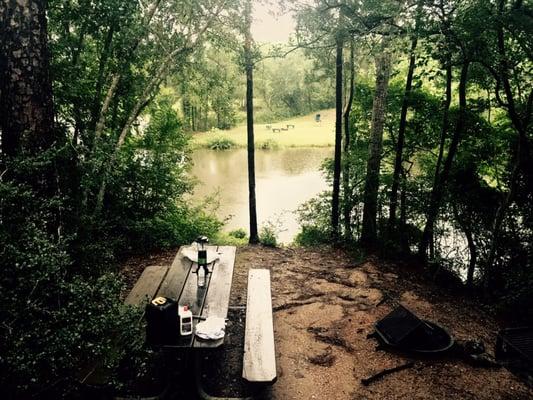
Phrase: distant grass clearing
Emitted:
{"points": [[306, 133]]}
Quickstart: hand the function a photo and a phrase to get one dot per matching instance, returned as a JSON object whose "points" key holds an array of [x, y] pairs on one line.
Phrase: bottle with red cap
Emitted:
{"points": [[185, 318]]}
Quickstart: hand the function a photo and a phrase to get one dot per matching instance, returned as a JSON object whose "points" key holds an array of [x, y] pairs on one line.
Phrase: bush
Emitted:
{"points": [[227, 239], [238, 233], [311, 236], [314, 218], [221, 143], [268, 235], [54, 318], [269, 144], [149, 209]]}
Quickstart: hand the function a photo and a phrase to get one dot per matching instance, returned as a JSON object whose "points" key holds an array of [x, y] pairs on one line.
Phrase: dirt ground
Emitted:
{"points": [[325, 305]]}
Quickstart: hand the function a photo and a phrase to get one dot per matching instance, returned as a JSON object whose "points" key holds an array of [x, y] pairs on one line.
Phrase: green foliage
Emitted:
{"points": [[314, 218], [238, 233], [221, 143], [149, 210], [311, 236], [268, 234], [49, 328], [65, 310], [223, 238], [269, 144], [290, 86]]}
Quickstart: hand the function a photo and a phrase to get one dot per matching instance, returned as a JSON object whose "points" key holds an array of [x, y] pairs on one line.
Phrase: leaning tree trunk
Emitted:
{"points": [[521, 125], [401, 138], [338, 140], [438, 189], [346, 165], [254, 238], [26, 112], [370, 197]]}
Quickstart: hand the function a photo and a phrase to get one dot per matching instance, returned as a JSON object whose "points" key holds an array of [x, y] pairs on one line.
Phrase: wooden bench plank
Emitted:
{"points": [[217, 299], [259, 364], [172, 285], [147, 285]]}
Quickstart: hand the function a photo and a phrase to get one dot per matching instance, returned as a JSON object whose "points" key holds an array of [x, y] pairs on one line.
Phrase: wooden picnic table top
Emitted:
{"points": [[180, 282]]}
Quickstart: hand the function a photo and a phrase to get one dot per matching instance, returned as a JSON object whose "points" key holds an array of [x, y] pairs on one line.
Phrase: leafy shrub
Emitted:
{"points": [[268, 235], [314, 218], [49, 328], [227, 239], [238, 233], [221, 143], [176, 225], [269, 144], [311, 236], [149, 209]]}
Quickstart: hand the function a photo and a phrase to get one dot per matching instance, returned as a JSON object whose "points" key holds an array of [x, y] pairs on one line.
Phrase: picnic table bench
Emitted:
{"points": [[259, 364]]}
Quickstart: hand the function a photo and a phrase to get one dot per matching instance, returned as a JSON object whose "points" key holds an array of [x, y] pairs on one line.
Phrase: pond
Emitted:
{"points": [[285, 179]]}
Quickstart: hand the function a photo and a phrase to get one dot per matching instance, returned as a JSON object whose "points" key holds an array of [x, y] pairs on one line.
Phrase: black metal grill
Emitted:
{"points": [[514, 348], [402, 329], [515, 342], [398, 325]]}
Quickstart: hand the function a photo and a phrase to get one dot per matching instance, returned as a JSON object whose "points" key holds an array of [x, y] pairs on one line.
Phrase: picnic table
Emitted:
{"points": [[180, 282]]}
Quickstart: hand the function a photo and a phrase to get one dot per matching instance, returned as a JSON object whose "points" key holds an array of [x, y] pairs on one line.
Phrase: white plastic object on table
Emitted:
{"points": [[212, 328]]}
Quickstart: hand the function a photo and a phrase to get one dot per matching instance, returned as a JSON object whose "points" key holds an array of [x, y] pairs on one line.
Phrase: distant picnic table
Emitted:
{"points": [[281, 128]]}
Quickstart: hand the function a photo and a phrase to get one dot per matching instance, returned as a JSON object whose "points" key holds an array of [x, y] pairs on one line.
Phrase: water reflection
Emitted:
{"points": [[284, 179]]}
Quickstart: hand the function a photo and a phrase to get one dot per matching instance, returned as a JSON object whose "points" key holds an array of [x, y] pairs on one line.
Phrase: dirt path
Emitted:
{"points": [[325, 305]]}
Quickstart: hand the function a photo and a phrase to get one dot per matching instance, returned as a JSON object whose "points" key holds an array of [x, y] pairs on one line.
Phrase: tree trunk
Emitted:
{"points": [[369, 230], [100, 125], [444, 133], [254, 238], [404, 243], [346, 170], [26, 108], [401, 138], [143, 100], [445, 121], [338, 140], [521, 125], [440, 181], [473, 257], [100, 77]]}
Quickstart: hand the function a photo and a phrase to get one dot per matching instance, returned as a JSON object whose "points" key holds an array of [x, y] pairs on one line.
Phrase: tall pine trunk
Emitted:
{"points": [[441, 178], [26, 111], [370, 197], [346, 164], [338, 140], [254, 238]]}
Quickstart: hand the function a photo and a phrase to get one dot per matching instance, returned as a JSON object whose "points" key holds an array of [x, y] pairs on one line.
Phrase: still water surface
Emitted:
{"points": [[284, 179]]}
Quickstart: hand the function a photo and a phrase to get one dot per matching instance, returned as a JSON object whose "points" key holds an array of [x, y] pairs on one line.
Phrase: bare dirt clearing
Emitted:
{"points": [[325, 305]]}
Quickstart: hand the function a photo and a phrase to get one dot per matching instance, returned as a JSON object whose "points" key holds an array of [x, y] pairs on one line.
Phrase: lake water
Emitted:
{"points": [[284, 179]]}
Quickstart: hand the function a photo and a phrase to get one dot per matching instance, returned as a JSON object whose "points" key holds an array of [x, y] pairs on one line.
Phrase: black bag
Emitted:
{"points": [[162, 321]]}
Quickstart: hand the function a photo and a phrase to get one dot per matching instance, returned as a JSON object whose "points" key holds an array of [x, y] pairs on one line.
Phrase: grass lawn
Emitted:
{"points": [[306, 133]]}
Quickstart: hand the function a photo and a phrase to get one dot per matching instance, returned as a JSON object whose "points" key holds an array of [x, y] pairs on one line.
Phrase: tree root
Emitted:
{"points": [[333, 340]]}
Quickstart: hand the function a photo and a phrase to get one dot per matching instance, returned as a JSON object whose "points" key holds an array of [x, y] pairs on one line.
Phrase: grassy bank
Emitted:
{"points": [[306, 133]]}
